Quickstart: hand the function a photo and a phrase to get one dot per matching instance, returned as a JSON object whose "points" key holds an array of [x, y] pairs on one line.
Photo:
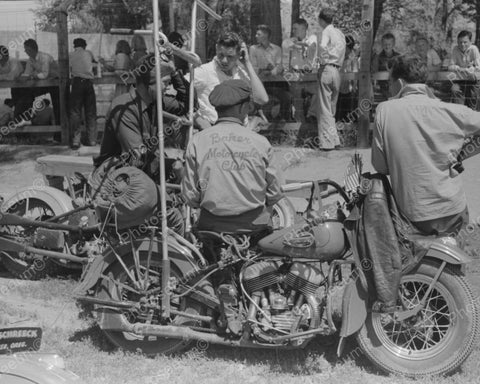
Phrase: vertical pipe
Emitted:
{"points": [[161, 149], [64, 72], [193, 32], [171, 15]]}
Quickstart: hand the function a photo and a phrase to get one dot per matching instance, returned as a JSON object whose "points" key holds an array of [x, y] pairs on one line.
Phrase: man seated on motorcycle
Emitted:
{"points": [[131, 133], [416, 141], [228, 171]]}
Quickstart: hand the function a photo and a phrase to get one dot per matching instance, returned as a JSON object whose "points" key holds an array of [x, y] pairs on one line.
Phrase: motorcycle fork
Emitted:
{"points": [[403, 315]]}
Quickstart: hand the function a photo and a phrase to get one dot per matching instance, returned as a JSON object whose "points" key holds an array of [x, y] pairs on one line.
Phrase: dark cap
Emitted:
{"points": [[79, 42], [229, 93]]}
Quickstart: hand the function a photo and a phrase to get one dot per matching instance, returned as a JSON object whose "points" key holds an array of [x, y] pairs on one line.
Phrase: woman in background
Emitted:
{"points": [[139, 48], [122, 62]]}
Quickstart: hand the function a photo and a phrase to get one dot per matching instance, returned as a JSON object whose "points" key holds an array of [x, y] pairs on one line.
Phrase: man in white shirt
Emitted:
{"points": [[40, 66], [266, 59], [82, 95], [465, 61], [428, 55], [331, 56], [302, 49], [10, 68], [231, 61]]}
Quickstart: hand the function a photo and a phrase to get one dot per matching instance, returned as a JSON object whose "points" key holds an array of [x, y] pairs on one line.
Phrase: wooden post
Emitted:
{"points": [[365, 94], [201, 32], [63, 69], [171, 16]]}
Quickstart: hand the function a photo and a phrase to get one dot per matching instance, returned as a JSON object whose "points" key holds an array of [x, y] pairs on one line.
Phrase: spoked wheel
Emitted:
{"points": [[283, 214], [131, 286], [435, 341], [22, 265]]}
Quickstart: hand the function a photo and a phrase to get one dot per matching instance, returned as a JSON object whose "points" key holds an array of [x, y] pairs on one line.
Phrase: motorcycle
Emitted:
{"points": [[58, 212], [280, 290]]}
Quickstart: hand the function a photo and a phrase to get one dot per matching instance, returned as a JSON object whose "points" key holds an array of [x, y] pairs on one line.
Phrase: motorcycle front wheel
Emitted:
{"points": [[434, 342], [121, 287]]}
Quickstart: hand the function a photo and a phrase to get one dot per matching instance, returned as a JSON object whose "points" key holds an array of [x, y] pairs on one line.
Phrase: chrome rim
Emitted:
{"points": [[429, 332]]}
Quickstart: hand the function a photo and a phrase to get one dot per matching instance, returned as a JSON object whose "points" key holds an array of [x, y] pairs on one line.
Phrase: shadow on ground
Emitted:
{"points": [[18, 153]]}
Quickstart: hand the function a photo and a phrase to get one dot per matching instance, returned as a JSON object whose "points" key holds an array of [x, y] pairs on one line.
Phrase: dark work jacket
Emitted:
{"points": [[379, 236]]}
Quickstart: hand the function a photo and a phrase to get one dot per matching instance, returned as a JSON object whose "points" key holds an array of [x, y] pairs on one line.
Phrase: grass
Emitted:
{"points": [[87, 352]]}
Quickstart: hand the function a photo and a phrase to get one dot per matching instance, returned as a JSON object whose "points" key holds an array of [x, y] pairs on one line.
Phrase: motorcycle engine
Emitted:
{"points": [[285, 296]]}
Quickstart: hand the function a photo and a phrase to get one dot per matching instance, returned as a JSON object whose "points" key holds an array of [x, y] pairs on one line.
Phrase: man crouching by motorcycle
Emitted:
{"points": [[228, 171], [131, 134], [416, 141]]}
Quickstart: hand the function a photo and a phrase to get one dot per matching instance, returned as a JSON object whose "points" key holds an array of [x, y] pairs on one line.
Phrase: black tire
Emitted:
{"points": [[283, 214], [133, 343], [29, 267], [438, 340]]}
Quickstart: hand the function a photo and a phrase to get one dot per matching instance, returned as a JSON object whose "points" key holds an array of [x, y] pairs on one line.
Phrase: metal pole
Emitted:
{"points": [[161, 149], [193, 31]]}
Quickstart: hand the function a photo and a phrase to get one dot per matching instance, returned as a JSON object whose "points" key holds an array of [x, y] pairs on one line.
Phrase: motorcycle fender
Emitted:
{"points": [[57, 200], [179, 256], [354, 308], [449, 253]]}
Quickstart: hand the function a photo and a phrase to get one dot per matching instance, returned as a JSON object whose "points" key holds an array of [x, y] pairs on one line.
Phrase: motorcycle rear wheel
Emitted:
{"points": [[436, 341], [148, 345], [34, 267]]}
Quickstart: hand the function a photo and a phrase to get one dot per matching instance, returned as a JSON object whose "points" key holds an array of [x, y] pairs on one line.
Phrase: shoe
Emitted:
{"points": [[75, 146]]}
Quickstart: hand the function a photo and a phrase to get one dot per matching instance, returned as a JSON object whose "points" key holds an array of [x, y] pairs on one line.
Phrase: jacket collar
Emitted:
{"points": [[415, 89], [229, 120]]}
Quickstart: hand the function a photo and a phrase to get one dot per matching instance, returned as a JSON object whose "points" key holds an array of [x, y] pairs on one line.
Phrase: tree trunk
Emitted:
{"points": [[477, 23], [295, 13], [377, 15], [267, 12]]}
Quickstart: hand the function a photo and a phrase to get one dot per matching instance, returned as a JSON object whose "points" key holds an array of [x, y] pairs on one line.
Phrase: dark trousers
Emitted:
{"points": [[280, 91], [468, 93], [82, 95], [23, 99]]}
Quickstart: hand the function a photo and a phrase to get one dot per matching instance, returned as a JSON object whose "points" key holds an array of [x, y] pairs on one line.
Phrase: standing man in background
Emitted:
{"points": [[331, 55], [82, 93]]}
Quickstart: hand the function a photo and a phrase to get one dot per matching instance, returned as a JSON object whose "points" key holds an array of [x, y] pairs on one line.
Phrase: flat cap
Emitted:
{"points": [[230, 92]]}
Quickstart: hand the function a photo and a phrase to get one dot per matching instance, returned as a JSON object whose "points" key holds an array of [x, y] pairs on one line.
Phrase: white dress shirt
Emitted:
{"points": [[332, 46]]}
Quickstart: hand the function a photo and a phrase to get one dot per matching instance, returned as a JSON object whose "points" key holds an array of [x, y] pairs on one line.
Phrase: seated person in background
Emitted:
{"points": [[40, 66], [6, 112], [465, 60], [348, 92], [121, 63], [302, 49], [43, 113], [384, 61], [228, 168], [10, 68], [226, 65], [267, 60], [428, 55]]}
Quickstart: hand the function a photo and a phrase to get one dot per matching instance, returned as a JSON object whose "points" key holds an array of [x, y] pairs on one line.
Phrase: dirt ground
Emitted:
{"points": [[48, 303]]}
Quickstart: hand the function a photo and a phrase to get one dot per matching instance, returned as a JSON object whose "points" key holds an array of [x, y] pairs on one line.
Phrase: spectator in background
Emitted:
{"points": [[6, 112], [465, 60], [302, 49], [122, 62], [10, 68], [43, 113], [385, 59], [82, 94], [331, 57], [176, 39], [348, 93], [139, 49], [227, 64], [383, 62], [40, 66], [428, 55], [266, 59]]}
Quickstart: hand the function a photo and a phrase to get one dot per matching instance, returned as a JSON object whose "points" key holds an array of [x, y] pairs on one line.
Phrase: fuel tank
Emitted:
{"points": [[324, 241]]}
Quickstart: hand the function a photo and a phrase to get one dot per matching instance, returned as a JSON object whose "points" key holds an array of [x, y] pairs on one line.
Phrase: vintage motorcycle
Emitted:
{"points": [[65, 199], [280, 290]]}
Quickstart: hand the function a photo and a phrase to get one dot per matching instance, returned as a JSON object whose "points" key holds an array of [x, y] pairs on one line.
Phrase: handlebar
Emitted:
{"points": [[309, 184]]}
